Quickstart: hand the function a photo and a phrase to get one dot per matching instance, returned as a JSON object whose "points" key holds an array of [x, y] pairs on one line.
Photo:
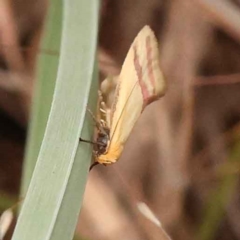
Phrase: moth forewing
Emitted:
{"points": [[139, 83], [147, 65]]}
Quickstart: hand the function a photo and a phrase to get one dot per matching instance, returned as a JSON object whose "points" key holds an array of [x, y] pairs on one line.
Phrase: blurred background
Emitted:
{"points": [[182, 158]]}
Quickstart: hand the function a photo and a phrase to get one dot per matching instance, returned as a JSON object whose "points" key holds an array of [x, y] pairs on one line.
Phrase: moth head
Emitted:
{"points": [[112, 154]]}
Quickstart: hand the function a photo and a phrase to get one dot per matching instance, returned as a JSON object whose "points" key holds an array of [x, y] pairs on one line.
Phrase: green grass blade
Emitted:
{"points": [[55, 193], [47, 72], [219, 199]]}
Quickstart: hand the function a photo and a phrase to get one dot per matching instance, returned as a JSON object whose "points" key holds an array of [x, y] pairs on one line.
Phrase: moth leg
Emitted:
{"points": [[93, 165], [91, 142], [94, 152], [103, 111], [103, 106], [87, 141]]}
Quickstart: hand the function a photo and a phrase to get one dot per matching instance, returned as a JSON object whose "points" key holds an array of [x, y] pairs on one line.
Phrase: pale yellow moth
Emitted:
{"points": [[140, 82]]}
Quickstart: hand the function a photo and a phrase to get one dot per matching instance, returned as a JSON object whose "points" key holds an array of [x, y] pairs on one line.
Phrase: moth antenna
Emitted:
{"points": [[92, 115], [98, 125]]}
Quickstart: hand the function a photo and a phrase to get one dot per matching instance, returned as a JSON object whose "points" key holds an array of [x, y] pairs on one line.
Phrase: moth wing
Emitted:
{"points": [[140, 82]]}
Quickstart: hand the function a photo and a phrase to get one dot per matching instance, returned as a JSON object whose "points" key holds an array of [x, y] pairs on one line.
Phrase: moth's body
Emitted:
{"points": [[139, 83]]}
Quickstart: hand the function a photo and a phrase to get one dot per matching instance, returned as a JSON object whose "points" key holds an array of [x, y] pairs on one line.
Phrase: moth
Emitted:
{"points": [[140, 82]]}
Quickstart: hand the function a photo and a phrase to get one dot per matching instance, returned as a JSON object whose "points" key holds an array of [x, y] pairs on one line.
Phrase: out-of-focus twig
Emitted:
{"points": [[223, 14], [227, 136], [185, 37], [16, 95], [102, 210], [217, 80], [8, 36], [233, 214], [107, 65]]}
